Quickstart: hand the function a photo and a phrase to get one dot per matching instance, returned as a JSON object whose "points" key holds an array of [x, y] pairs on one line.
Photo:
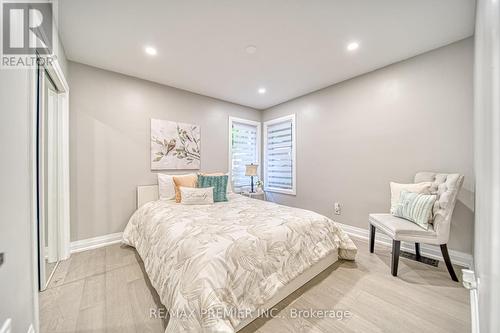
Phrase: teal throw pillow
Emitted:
{"points": [[219, 183]]}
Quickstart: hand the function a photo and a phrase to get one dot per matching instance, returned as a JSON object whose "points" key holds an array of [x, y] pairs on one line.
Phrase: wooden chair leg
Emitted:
{"points": [[449, 266], [418, 257], [372, 238], [396, 245]]}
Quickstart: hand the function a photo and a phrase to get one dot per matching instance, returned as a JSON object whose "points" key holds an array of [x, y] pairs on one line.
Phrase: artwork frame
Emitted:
{"points": [[175, 145]]}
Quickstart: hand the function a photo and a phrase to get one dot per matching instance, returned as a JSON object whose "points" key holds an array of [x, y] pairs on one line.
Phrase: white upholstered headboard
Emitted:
{"points": [[146, 193]]}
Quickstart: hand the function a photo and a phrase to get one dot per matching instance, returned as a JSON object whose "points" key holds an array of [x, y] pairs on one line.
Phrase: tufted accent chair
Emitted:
{"points": [[446, 187]]}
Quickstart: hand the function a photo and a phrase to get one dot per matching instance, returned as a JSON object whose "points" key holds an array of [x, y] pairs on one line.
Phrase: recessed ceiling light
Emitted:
{"points": [[251, 49], [150, 50], [262, 90], [352, 46]]}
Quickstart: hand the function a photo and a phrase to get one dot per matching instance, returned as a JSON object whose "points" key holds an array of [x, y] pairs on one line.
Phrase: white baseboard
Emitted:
{"points": [[427, 250], [96, 242]]}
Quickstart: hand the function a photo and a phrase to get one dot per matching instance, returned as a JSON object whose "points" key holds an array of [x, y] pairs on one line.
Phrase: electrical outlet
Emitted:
{"points": [[1, 258], [337, 208], [6, 327]]}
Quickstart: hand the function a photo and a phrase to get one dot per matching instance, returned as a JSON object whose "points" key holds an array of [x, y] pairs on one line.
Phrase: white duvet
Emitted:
{"points": [[213, 264]]}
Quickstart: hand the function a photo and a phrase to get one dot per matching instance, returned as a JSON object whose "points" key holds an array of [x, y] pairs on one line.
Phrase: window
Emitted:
{"points": [[279, 155], [244, 148]]}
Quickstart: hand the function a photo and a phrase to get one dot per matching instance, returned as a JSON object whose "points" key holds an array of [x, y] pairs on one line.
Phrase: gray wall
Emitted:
{"points": [[109, 141], [16, 274], [355, 137]]}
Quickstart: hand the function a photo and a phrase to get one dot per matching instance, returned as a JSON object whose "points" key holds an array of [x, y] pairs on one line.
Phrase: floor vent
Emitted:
{"points": [[425, 260]]}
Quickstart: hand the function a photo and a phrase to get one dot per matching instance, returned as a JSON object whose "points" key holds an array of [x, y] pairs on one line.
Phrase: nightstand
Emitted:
{"points": [[260, 195]]}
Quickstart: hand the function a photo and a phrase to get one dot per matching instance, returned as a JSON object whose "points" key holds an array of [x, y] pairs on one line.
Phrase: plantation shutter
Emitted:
{"points": [[279, 156], [244, 151]]}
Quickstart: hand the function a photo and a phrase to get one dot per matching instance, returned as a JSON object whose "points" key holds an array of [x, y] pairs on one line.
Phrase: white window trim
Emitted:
{"points": [[293, 191], [230, 145]]}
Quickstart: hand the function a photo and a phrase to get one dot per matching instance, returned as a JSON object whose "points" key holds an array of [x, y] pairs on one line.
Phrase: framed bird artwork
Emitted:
{"points": [[174, 146]]}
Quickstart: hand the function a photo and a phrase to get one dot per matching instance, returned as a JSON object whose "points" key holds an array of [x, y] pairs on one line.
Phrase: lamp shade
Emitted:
{"points": [[251, 170]]}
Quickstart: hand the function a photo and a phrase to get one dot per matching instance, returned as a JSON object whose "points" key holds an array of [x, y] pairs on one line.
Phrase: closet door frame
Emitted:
{"points": [[54, 69], [49, 164]]}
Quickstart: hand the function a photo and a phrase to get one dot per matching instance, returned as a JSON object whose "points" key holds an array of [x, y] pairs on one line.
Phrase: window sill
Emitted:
{"points": [[280, 191]]}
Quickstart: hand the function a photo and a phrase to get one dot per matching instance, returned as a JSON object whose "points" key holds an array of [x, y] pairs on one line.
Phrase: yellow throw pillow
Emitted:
{"points": [[184, 181]]}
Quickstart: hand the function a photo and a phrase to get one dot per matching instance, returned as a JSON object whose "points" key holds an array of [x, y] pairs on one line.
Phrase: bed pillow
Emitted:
{"points": [[229, 187], [166, 186], [197, 196], [211, 173], [219, 183], [185, 181], [415, 207], [396, 189]]}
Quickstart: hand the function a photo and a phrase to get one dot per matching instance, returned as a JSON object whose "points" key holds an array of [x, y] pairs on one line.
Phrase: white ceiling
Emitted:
{"points": [[301, 45]]}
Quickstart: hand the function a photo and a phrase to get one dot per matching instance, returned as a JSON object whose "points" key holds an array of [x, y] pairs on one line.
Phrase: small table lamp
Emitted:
{"points": [[251, 170]]}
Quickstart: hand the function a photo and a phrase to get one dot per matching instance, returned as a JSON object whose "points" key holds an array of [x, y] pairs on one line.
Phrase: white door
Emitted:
{"points": [[48, 183]]}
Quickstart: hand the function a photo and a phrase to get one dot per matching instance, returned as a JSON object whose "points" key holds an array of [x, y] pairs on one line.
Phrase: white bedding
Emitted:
{"points": [[214, 264]]}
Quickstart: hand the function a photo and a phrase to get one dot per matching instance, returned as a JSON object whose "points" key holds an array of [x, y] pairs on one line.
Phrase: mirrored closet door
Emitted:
{"points": [[48, 184]]}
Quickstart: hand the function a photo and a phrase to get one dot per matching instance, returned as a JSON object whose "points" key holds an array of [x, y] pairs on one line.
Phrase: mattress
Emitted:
{"points": [[214, 265]]}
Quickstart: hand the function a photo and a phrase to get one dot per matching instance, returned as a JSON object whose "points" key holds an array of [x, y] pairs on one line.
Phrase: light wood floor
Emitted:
{"points": [[106, 290]]}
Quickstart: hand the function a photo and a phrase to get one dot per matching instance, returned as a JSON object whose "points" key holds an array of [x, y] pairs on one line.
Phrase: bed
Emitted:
{"points": [[218, 267]]}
